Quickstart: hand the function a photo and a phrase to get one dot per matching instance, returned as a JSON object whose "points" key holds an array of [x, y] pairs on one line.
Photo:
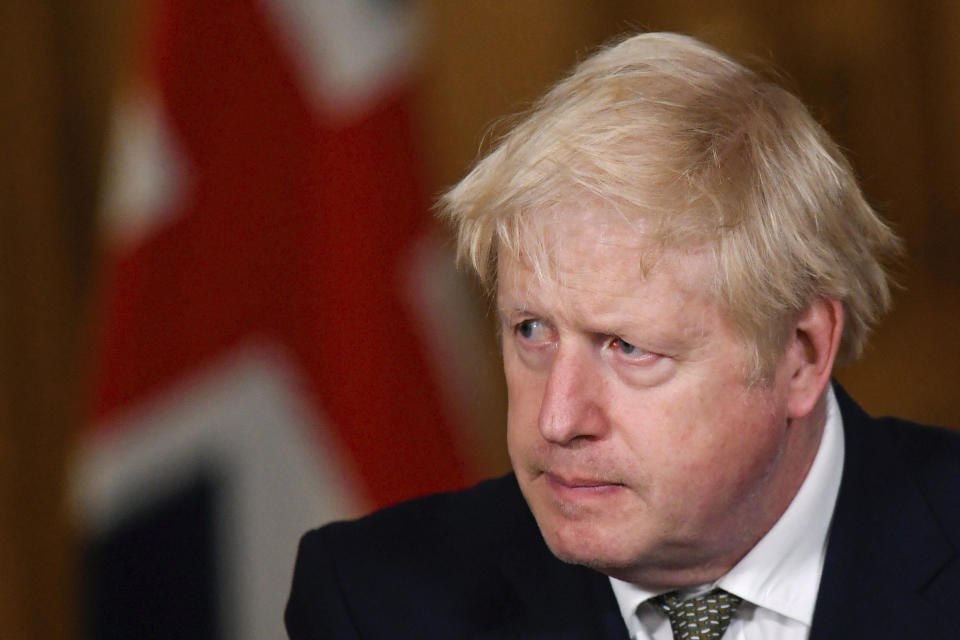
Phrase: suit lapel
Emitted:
{"points": [[552, 599], [886, 554]]}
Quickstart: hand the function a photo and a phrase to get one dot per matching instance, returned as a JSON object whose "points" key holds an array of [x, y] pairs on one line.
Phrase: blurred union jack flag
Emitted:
{"points": [[271, 314]]}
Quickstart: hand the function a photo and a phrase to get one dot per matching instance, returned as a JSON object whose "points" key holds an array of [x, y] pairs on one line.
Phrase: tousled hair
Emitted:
{"points": [[699, 152]]}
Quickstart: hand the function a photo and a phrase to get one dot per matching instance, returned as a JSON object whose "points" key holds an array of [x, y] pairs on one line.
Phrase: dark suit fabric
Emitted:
{"points": [[473, 564]]}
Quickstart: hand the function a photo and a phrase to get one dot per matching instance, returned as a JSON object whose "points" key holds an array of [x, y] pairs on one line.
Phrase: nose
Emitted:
{"points": [[571, 409]]}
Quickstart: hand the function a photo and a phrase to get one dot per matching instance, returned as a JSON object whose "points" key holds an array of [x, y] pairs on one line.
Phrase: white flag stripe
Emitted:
{"points": [[146, 172], [244, 420], [347, 51]]}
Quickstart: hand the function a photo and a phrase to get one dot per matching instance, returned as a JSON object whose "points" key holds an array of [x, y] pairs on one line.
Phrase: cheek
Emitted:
{"points": [[524, 396], [705, 440], [742, 450]]}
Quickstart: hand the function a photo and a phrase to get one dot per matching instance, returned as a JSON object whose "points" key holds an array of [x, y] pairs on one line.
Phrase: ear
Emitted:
{"points": [[811, 353]]}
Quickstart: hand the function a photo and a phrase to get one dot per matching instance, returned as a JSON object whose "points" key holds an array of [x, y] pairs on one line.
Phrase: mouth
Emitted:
{"points": [[579, 485]]}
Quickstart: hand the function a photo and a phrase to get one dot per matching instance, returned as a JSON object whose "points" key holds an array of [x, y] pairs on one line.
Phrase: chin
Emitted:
{"points": [[587, 543], [586, 532], [608, 561]]}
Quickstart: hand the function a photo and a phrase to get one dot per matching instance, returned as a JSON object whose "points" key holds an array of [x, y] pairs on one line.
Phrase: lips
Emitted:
{"points": [[574, 483]]}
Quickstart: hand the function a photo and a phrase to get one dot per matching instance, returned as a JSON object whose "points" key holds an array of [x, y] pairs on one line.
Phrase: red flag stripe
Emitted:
{"points": [[293, 232]]}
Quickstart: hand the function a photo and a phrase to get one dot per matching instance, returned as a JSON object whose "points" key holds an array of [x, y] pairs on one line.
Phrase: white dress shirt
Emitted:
{"points": [[778, 579]]}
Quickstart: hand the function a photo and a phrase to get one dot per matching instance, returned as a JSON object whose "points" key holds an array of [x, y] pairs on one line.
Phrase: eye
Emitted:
{"points": [[532, 329], [636, 366], [631, 351]]}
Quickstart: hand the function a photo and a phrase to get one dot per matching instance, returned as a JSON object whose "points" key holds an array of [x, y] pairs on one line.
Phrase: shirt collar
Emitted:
{"points": [[782, 571]]}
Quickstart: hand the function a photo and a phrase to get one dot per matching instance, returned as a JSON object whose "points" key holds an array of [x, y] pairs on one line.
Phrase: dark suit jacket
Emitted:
{"points": [[473, 564]]}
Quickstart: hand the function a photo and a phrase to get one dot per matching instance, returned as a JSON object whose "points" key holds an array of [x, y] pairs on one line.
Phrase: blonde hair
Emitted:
{"points": [[705, 153]]}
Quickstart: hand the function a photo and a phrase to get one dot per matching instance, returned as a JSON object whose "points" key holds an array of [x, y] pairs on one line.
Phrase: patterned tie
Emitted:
{"points": [[702, 618]]}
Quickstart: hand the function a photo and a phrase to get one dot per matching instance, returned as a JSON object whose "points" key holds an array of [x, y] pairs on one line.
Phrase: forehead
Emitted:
{"points": [[585, 245]]}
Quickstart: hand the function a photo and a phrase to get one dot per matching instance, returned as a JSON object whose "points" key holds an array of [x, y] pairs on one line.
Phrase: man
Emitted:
{"points": [[679, 254]]}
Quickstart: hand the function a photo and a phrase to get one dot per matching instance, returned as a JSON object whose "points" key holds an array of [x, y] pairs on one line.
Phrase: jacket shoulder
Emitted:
{"points": [[933, 456], [481, 516], [929, 454], [438, 553], [891, 451], [890, 569]]}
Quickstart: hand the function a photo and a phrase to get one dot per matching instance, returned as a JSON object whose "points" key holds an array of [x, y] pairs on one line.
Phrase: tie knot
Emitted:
{"points": [[702, 618]]}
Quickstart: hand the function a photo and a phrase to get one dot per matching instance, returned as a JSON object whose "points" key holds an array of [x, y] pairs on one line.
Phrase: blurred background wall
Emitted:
{"points": [[884, 78]]}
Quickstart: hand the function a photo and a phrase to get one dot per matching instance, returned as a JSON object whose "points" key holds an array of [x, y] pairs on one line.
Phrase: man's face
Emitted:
{"points": [[635, 439]]}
